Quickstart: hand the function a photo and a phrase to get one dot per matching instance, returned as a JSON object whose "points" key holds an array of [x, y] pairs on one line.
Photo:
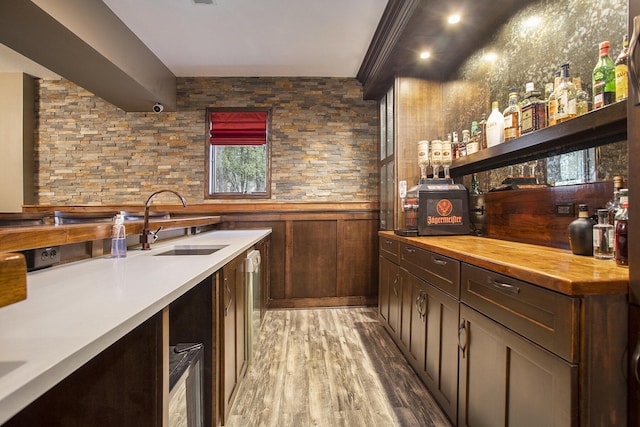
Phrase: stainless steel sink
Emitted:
{"points": [[192, 250]]}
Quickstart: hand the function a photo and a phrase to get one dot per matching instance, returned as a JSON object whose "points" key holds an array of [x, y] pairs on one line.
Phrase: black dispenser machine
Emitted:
{"points": [[442, 209], [436, 206]]}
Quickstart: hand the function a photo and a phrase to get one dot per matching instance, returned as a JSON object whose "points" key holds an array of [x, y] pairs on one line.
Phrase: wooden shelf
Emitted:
{"points": [[598, 127]]}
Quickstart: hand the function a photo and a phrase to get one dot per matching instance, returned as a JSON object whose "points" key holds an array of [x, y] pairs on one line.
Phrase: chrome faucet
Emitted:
{"points": [[145, 235]]}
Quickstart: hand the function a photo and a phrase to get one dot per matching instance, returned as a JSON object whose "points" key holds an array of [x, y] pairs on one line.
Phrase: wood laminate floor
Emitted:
{"points": [[330, 367]]}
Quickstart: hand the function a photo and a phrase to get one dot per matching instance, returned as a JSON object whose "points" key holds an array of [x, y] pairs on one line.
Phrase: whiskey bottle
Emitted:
{"points": [[582, 98], [613, 205], [482, 132], [495, 126], [463, 146], [604, 78], [473, 145], [512, 117], [552, 102], [622, 220], [534, 111], [565, 97], [622, 71]]}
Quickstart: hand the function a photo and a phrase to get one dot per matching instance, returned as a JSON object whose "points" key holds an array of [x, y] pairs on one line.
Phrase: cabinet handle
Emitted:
{"points": [[462, 337], [635, 361], [504, 287], [395, 290], [388, 242], [410, 250], [226, 287], [439, 261], [633, 69]]}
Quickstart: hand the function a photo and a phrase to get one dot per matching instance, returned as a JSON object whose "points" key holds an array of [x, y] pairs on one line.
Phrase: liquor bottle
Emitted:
{"points": [[462, 146], [603, 237], [582, 98], [475, 185], [447, 155], [581, 233], [622, 220], [552, 102], [613, 205], [482, 132], [622, 70], [534, 111], [495, 126], [512, 117], [473, 145], [604, 78], [565, 97]]}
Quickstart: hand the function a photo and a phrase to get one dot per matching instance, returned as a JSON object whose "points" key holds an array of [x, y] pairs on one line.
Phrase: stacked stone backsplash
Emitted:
{"points": [[89, 152]]}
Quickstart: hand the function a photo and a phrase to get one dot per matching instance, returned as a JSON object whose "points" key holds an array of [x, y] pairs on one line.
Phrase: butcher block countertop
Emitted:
{"points": [[555, 269]]}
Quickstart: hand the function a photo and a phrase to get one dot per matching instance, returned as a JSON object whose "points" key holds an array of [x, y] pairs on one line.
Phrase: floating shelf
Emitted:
{"points": [[598, 127]]}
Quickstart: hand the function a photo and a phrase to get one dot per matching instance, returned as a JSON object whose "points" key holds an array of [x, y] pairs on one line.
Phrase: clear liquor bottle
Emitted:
{"points": [[613, 205], [512, 117], [482, 132], [622, 71], [603, 237], [604, 78], [552, 103], [473, 145], [582, 98]]}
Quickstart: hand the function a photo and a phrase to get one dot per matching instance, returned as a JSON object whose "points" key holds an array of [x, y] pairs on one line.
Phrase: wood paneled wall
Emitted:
{"points": [[529, 216], [318, 259]]}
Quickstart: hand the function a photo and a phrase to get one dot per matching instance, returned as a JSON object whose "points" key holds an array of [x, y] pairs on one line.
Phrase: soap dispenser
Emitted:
{"points": [[119, 238]]}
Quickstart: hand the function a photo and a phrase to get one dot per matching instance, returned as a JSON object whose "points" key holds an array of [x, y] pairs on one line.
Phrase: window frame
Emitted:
{"points": [[262, 195]]}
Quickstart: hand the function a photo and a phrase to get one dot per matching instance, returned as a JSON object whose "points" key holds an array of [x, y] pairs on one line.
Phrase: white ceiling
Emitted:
{"points": [[253, 38]]}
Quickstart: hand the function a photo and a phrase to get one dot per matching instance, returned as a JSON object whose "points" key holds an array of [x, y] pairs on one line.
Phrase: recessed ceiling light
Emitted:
{"points": [[454, 19], [533, 21], [490, 56], [425, 54]]}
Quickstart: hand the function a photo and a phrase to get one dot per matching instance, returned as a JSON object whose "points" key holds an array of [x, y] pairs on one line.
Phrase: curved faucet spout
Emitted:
{"points": [[144, 235]]}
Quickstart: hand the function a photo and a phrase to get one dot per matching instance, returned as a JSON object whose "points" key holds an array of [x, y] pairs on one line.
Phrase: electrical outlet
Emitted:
{"points": [[564, 210]]}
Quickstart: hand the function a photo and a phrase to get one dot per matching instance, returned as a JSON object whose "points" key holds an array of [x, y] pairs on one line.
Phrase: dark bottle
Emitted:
{"points": [[622, 222], [581, 233]]}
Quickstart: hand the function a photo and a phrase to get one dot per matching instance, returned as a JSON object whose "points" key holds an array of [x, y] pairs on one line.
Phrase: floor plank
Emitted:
{"points": [[330, 367]]}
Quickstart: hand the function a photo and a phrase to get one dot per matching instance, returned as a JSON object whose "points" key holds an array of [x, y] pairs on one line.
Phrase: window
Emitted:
{"points": [[238, 153]]}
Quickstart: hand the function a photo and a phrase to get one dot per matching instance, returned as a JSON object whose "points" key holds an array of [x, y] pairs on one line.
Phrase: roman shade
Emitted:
{"points": [[238, 127]]}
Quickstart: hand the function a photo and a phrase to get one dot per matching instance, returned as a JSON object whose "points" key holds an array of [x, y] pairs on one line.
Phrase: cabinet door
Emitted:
{"points": [[387, 275], [506, 380], [441, 357], [395, 300], [240, 318], [413, 321]]}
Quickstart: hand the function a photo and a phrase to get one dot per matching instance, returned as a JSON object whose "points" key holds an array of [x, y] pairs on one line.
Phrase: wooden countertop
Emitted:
{"points": [[555, 269], [39, 236]]}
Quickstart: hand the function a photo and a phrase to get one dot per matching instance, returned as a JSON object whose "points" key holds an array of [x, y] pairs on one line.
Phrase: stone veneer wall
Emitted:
{"points": [[323, 136]]}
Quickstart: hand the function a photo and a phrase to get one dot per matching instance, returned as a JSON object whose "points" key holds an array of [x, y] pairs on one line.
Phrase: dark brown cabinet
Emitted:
{"points": [[232, 331], [507, 380]]}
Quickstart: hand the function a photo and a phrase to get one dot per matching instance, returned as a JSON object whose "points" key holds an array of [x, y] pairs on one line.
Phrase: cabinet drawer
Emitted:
{"points": [[545, 317], [389, 248], [440, 271]]}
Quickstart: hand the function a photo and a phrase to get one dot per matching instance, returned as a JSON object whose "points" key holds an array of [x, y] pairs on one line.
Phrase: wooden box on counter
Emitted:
{"points": [[13, 278]]}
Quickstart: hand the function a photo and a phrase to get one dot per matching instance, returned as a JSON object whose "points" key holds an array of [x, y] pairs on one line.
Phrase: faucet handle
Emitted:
{"points": [[154, 234]]}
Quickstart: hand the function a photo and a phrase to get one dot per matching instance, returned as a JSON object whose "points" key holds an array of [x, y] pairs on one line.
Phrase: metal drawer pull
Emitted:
{"points": [[504, 287], [410, 250], [395, 290], [462, 337], [226, 286], [439, 261], [635, 361], [388, 242]]}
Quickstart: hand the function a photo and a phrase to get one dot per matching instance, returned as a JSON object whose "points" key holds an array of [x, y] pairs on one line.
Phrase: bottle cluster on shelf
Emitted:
{"points": [[607, 238], [561, 100]]}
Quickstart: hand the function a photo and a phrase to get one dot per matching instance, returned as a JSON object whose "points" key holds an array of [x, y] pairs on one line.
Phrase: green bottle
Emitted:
{"points": [[604, 78]]}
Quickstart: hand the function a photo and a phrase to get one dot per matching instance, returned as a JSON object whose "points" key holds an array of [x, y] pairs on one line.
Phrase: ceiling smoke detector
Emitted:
{"points": [[203, 1]]}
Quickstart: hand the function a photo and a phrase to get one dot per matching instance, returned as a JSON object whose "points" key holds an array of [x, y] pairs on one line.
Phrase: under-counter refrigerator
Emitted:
{"points": [[633, 138]]}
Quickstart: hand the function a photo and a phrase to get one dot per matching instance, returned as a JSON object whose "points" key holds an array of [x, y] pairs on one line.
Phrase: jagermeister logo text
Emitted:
{"points": [[444, 209]]}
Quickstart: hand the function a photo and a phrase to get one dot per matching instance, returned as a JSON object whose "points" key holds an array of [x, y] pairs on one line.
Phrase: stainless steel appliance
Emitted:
{"points": [[186, 404], [253, 302]]}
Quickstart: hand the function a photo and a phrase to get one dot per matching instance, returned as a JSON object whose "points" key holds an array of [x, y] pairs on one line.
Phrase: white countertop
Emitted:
{"points": [[75, 311]]}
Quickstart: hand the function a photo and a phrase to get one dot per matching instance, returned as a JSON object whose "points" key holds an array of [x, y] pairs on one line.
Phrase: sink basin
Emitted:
{"points": [[192, 250]]}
